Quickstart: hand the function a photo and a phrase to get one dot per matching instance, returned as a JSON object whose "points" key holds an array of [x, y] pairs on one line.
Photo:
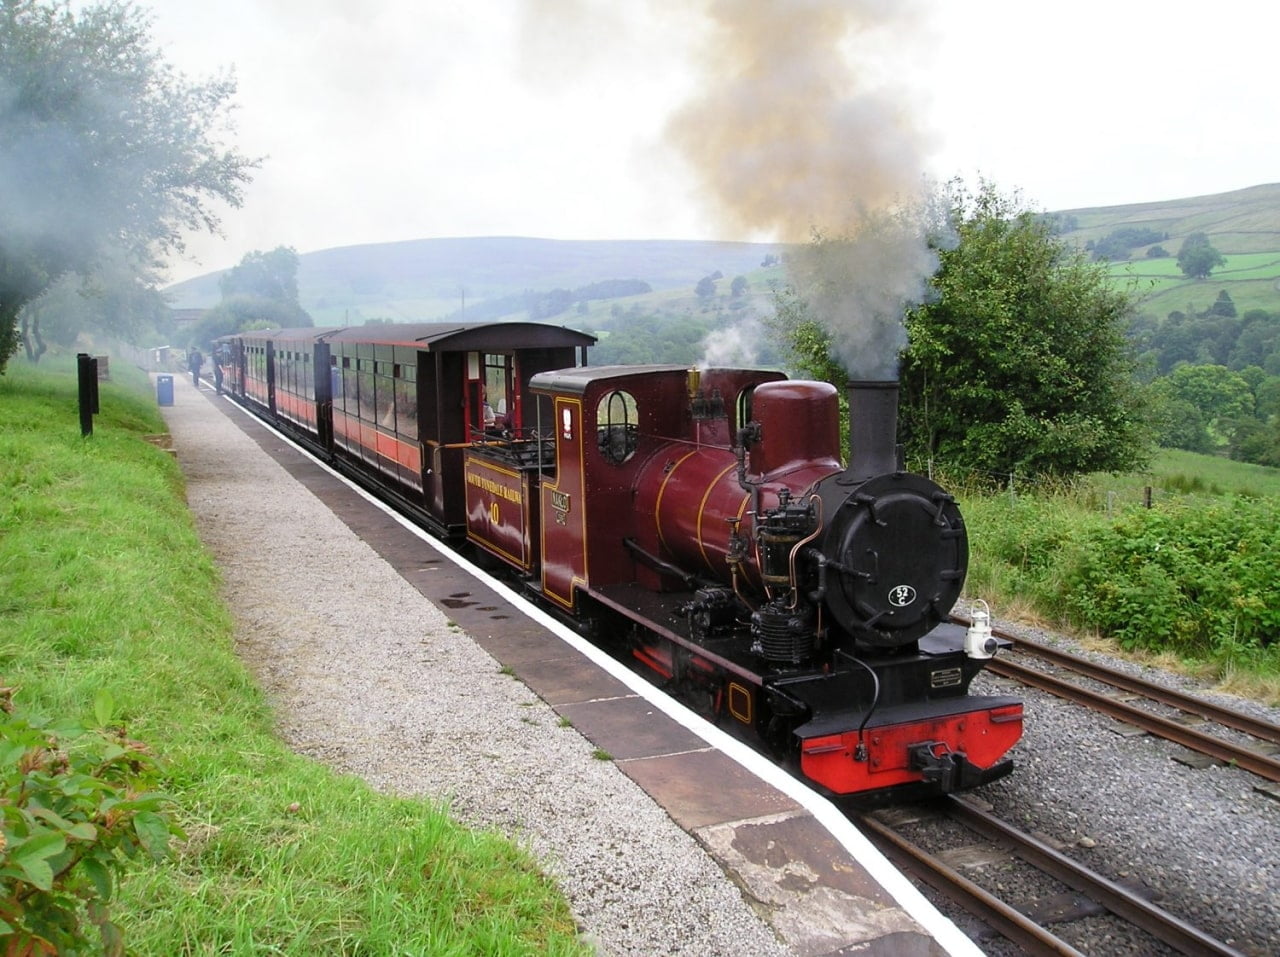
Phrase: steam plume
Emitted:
{"points": [[797, 135]]}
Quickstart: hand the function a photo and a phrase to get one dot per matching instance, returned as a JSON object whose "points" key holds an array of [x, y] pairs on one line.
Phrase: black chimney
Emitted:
{"points": [[873, 429]]}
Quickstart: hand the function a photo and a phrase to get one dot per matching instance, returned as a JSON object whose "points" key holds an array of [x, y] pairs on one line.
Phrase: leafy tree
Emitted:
{"points": [[738, 287], [1259, 340], [244, 312], [1198, 258], [272, 275], [104, 148], [261, 292], [113, 302], [1220, 398], [1119, 243], [1266, 398], [1258, 442], [706, 287], [1223, 305], [1020, 363], [1178, 423]]}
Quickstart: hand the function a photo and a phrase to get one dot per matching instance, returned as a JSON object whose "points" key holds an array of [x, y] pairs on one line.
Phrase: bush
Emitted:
{"points": [[1198, 579], [76, 805]]}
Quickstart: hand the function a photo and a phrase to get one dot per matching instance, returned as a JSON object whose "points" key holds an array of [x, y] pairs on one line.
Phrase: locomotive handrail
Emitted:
{"points": [[689, 579], [525, 448]]}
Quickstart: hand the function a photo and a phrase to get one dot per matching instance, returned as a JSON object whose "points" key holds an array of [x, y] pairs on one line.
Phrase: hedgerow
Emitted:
{"points": [[1193, 577]]}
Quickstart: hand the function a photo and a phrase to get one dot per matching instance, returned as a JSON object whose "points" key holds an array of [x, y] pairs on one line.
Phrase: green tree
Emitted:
{"points": [[1197, 257], [1220, 397], [261, 292], [271, 275], [104, 148], [1224, 305], [244, 312], [1020, 363], [114, 303]]}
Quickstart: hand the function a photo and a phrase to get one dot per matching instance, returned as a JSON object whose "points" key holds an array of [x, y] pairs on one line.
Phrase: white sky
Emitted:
{"points": [[402, 119]]}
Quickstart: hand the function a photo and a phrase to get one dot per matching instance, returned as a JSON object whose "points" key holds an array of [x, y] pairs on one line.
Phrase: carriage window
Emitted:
{"points": [[497, 386], [616, 426]]}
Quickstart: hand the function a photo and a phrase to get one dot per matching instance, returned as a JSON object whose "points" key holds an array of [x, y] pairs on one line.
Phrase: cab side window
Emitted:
{"points": [[616, 426]]}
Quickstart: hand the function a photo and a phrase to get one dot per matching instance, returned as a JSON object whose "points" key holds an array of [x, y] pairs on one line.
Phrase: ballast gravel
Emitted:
{"points": [[370, 678], [1205, 841]]}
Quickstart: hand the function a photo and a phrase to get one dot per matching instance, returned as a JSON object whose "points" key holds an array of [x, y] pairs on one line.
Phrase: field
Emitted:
{"points": [[1243, 225], [107, 594], [1189, 583], [427, 280]]}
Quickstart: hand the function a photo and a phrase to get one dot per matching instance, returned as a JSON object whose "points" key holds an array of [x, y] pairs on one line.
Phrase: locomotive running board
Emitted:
{"points": [[656, 612]]}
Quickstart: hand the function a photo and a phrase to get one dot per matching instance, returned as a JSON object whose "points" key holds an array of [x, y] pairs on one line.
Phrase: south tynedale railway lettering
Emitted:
{"points": [[486, 484]]}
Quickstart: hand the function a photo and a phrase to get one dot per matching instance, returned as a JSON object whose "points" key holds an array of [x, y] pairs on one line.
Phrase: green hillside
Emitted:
{"points": [[422, 280], [1243, 225], [426, 279]]}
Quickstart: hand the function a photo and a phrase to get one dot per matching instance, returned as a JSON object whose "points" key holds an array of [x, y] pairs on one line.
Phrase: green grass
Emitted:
{"points": [[1189, 584], [105, 585], [1244, 225]]}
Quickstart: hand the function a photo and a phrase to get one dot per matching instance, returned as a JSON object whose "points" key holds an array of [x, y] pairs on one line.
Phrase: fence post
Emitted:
{"points": [[87, 379]]}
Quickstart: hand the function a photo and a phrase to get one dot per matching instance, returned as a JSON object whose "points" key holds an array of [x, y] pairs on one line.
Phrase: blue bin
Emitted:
{"points": [[164, 389]]}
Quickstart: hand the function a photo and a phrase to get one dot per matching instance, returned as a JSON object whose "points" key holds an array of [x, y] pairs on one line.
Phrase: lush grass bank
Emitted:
{"points": [[1190, 582], [104, 585]]}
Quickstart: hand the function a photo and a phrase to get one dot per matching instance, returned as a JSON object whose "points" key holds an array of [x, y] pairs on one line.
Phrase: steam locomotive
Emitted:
{"points": [[698, 522]]}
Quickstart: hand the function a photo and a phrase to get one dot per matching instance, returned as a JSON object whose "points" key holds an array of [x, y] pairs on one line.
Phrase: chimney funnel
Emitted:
{"points": [[873, 429]]}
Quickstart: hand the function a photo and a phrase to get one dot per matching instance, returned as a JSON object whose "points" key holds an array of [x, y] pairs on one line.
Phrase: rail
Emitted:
{"points": [[1118, 900]]}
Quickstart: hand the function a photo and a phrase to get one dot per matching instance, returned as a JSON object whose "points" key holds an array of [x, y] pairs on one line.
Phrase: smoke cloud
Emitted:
{"points": [[860, 285], [801, 132]]}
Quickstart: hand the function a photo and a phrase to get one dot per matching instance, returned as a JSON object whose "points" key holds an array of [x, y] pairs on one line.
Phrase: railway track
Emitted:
{"points": [[886, 829], [1260, 757]]}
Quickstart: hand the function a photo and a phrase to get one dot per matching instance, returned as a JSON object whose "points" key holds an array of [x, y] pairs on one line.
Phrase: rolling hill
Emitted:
{"points": [[426, 279], [1243, 225]]}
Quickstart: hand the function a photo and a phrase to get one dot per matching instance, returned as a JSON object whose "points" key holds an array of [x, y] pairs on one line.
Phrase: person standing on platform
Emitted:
{"points": [[194, 362]]}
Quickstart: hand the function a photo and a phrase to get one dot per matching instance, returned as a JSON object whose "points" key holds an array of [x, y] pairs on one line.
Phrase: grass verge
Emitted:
{"points": [[105, 585], [1188, 584]]}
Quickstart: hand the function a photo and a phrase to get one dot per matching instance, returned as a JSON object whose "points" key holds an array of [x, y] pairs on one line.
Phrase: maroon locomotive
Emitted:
{"points": [[701, 523]]}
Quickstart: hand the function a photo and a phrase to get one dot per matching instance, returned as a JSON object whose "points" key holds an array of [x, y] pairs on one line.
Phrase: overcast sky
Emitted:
{"points": [[625, 119]]}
